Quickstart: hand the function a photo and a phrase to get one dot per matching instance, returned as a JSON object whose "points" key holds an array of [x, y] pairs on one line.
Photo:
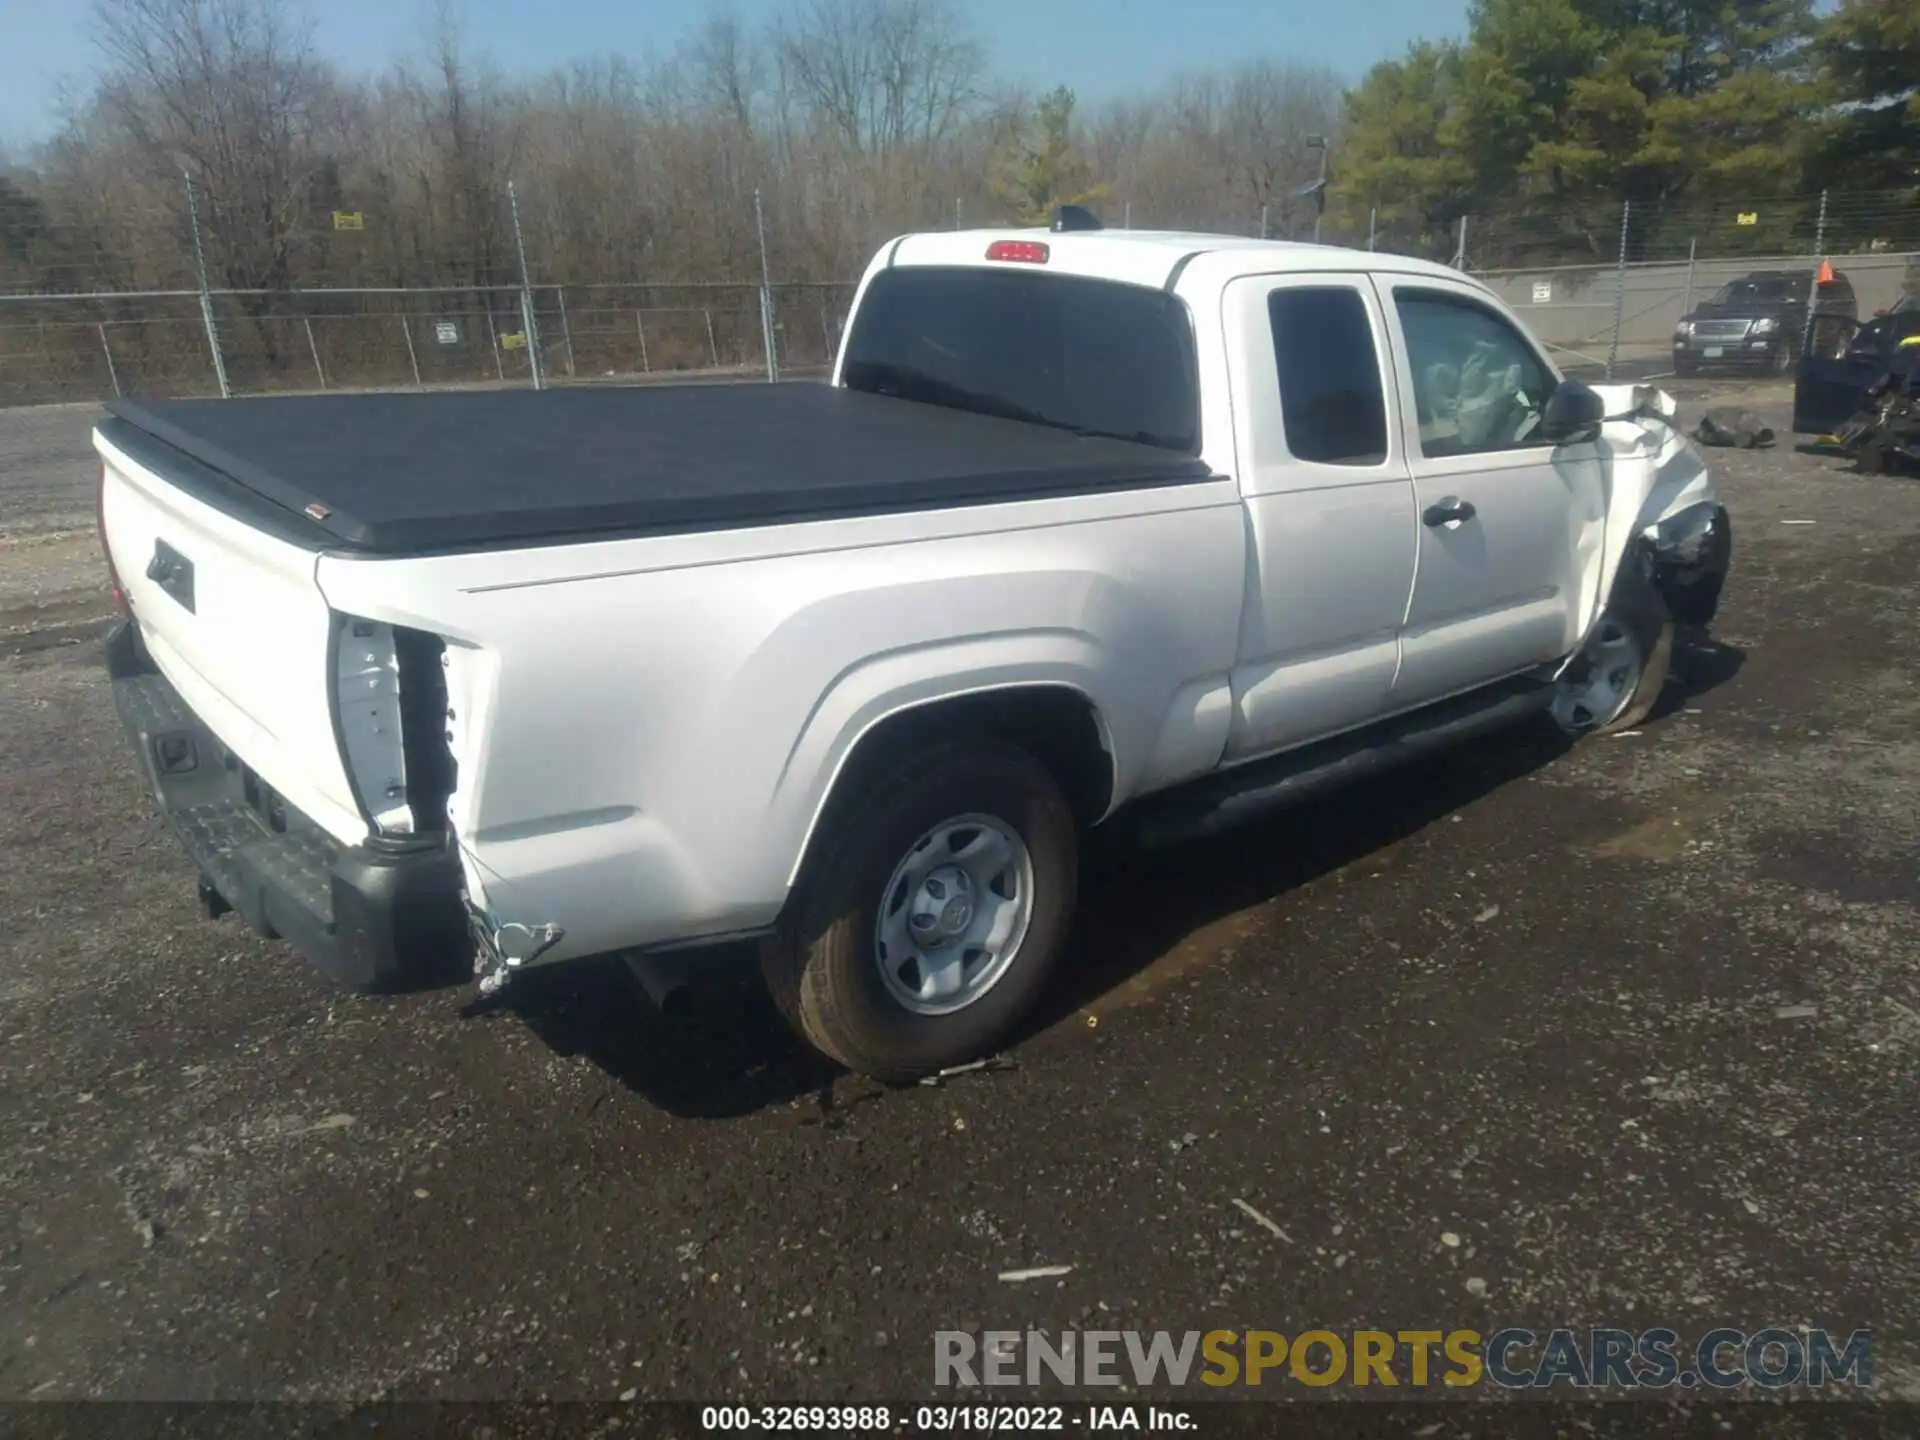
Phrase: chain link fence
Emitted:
{"points": [[150, 305], [64, 348]]}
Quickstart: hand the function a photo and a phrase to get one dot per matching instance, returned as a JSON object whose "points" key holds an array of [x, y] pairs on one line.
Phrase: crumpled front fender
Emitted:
{"points": [[1658, 496]]}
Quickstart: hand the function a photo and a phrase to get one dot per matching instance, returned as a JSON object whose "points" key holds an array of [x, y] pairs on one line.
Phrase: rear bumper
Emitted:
{"points": [[1691, 556], [380, 915]]}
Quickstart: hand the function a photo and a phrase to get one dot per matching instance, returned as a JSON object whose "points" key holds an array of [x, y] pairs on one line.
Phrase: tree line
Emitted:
{"points": [[1552, 113], [853, 120]]}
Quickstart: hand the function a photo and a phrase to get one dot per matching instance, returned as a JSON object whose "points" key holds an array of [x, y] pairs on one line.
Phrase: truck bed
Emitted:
{"points": [[479, 469]]}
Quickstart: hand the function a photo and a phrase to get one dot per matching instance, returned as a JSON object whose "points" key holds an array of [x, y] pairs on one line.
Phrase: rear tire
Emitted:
{"points": [[846, 967]]}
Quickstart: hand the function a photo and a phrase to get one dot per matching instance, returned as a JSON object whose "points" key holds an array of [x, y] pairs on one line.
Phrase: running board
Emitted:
{"points": [[1228, 798]]}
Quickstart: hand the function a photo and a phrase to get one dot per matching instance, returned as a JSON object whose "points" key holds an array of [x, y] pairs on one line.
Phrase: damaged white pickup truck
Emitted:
{"points": [[1090, 528]]}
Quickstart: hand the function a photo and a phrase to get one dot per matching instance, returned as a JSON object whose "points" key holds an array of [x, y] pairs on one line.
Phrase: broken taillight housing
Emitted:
{"points": [[390, 717], [106, 552]]}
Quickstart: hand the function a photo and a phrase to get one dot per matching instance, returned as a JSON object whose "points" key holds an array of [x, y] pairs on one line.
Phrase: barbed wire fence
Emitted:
{"points": [[166, 298]]}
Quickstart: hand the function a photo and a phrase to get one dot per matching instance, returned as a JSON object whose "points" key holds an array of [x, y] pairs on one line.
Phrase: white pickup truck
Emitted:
{"points": [[1089, 528]]}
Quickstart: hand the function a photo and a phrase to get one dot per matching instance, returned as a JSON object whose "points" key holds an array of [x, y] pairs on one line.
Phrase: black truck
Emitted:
{"points": [[1759, 322]]}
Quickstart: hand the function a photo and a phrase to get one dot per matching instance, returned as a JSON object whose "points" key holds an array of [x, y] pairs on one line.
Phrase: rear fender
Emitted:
{"points": [[921, 683]]}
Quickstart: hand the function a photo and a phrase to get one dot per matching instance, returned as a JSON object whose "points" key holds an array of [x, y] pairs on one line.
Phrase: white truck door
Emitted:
{"points": [[1330, 508], [1507, 522]]}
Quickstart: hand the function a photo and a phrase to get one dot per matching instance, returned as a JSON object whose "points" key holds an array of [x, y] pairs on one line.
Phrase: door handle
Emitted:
{"points": [[1445, 512]]}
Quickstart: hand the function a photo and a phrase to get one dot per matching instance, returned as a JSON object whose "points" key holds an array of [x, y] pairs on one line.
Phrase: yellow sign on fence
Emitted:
{"points": [[349, 220], [1747, 217], [513, 340]]}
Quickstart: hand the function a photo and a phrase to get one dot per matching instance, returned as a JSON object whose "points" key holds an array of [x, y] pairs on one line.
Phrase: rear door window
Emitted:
{"points": [[1331, 399], [1093, 356]]}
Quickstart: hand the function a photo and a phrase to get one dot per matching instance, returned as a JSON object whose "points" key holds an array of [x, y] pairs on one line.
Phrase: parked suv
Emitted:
{"points": [[1759, 321]]}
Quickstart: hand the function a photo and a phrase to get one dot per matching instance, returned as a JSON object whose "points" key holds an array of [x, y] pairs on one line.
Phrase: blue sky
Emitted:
{"points": [[1100, 47]]}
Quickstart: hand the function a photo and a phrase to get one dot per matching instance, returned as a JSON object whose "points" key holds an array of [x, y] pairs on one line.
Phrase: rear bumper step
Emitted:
{"points": [[376, 916]]}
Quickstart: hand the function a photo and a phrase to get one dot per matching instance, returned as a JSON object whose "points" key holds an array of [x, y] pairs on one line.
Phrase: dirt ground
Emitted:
{"points": [[1622, 1035]]}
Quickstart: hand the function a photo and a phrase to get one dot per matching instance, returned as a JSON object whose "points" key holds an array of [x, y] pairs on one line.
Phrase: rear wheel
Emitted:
{"points": [[1615, 681], [933, 918]]}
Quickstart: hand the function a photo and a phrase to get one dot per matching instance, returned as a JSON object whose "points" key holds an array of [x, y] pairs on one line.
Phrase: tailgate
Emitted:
{"points": [[234, 619]]}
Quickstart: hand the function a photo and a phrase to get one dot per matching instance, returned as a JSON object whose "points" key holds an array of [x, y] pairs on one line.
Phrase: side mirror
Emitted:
{"points": [[1573, 412]]}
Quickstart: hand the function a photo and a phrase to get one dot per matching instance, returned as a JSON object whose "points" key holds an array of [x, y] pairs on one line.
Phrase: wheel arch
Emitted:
{"points": [[1055, 721]]}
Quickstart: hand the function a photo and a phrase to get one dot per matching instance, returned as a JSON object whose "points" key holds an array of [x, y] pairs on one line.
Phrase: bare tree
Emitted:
{"points": [[881, 74], [854, 119], [727, 67], [229, 91], [1216, 147]]}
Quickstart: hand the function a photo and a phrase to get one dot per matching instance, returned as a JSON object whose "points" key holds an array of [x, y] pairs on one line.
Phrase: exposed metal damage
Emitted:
{"points": [[502, 948]]}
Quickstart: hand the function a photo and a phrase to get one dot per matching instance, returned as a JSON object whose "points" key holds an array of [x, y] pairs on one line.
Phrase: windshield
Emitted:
{"points": [[1093, 356], [1761, 292]]}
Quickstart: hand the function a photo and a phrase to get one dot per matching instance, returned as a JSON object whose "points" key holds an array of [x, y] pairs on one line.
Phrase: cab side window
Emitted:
{"points": [[1331, 400], [1478, 386]]}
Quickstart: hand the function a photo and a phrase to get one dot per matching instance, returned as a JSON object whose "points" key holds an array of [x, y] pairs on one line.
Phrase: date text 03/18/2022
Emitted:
{"points": [[942, 1419]]}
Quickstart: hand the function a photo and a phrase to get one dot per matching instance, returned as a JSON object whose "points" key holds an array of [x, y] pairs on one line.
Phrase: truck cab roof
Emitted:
{"points": [[1156, 258]]}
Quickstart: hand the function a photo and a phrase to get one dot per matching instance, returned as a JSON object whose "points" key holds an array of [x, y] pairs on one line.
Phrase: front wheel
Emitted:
{"points": [[1616, 679], [932, 920]]}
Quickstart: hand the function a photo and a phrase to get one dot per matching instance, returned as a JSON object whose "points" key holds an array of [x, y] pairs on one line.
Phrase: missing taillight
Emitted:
{"points": [[390, 717], [431, 772], [367, 724]]}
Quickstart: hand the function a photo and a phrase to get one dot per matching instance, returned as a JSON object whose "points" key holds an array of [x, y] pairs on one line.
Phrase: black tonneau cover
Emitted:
{"points": [[399, 473]]}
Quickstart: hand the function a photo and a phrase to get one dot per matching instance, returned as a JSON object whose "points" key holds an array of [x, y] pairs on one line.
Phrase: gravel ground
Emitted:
{"points": [[1621, 1035], [53, 586]]}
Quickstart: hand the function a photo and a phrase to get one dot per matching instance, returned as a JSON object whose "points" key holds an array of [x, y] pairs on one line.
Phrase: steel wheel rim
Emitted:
{"points": [[954, 914], [1602, 681]]}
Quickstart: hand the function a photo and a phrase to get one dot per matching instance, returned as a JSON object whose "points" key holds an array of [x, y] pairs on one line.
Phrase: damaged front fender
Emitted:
{"points": [[1660, 505], [1691, 552]]}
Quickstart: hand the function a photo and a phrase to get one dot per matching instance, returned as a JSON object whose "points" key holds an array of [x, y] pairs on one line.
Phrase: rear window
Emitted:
{"points": [[1762, 290], [1092, 356]]}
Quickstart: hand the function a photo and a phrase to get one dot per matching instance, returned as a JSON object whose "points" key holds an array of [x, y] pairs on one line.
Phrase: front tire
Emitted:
{"points": [[1615, 681], [929, 925]]}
